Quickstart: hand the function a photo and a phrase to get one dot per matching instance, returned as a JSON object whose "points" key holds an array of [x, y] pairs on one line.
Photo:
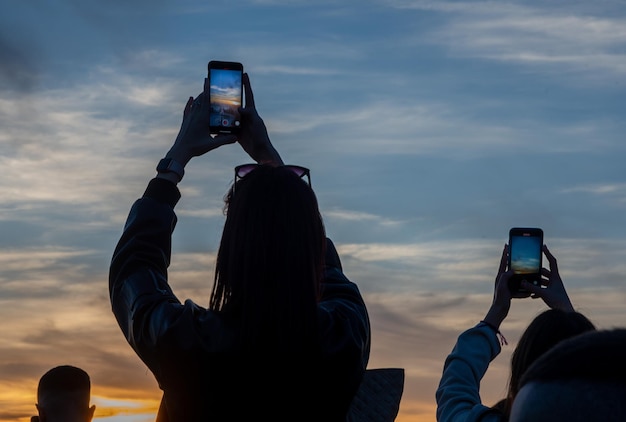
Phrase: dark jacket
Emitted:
{"points": [[190, 350]]}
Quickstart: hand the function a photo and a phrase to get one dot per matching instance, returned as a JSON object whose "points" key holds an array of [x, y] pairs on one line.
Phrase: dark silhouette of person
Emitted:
{"points": [[458, 394], [581, 379], [63, 395], [285, 335]]}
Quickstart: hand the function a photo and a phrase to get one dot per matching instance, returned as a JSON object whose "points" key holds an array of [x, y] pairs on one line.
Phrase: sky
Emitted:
{"points": [[430, 128]]}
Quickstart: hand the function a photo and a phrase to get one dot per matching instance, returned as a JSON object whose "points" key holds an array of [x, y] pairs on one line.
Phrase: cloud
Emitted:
{"points": [[32, 259], [470, 265], [293, 70], [598, 189], [422, 156], [359, 216], [574, 37], [77, 143]]}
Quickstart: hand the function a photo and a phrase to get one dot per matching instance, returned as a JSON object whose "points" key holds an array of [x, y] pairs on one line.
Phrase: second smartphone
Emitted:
{"points": [[525, 256], [225, 96]]}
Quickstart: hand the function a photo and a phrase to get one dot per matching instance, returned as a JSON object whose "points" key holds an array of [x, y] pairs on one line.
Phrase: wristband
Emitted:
{"points": [[168, 165], [497, 331]]}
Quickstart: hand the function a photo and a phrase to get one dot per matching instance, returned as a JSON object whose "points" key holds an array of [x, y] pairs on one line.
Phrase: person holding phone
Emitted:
{"points": [[458, 393], [286, 334]]}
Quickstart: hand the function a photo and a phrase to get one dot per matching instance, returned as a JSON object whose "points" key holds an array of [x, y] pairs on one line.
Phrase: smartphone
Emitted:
{"points": [[225, 96], [525, 256]]}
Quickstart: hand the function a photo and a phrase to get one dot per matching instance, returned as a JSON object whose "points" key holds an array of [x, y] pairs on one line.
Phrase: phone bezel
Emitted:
{"points": [[533, 277], [223, 65]]}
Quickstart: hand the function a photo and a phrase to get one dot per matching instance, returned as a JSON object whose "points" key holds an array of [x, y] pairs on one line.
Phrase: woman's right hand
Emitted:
{"points": [[253, 136], [194, 138], [501, 293]]}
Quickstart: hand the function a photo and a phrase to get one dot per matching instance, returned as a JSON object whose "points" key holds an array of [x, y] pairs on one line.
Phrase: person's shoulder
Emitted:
{"points": [[332, 259]]}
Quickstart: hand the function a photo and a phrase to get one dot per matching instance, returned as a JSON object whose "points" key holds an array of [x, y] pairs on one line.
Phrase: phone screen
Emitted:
{"points": [[525, 252], [225, 96]]}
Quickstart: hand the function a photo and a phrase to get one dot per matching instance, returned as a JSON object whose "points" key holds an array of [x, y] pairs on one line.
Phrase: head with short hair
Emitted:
{"points": [[581, 379], [63, 394], [547, 329], [270, 260]]}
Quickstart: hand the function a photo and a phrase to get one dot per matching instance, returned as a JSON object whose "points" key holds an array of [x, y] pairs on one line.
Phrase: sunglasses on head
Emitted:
{"points": [[244, 169]]}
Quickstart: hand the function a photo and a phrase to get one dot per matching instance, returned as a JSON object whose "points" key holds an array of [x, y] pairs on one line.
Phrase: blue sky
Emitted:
{"points": [[430, 128]]}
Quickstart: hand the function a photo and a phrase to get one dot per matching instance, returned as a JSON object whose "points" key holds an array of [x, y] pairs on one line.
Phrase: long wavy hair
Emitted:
{"points": [[270, 261], [546, 330]]}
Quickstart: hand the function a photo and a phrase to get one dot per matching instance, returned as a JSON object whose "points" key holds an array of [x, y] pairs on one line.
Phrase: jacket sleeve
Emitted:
{"points": [[457, 396], [142, 301]]}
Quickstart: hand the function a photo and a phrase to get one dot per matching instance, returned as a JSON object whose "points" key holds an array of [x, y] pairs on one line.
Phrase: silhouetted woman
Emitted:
{"points": [[286, 335]]}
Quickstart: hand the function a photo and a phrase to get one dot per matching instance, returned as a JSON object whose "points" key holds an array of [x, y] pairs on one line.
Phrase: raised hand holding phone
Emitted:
{"points": [[553, 294], [253, 136], [193, 139]]}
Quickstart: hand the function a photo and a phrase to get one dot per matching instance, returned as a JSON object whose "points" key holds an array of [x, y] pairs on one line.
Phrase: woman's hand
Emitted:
{"points": [[253, 136], [553, 294], [501, 293], [194, 138]]}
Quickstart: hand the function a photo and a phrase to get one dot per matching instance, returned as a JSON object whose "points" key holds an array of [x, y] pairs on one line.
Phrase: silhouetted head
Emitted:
{"points": [[581, 379], [271, 256], [63, 394], [547, 329]]}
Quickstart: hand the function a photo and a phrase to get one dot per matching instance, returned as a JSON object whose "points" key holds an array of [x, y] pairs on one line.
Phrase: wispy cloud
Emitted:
{"points": [[599, 189], [530, 33], [360, 216], [290, 70], [604, 193]]}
